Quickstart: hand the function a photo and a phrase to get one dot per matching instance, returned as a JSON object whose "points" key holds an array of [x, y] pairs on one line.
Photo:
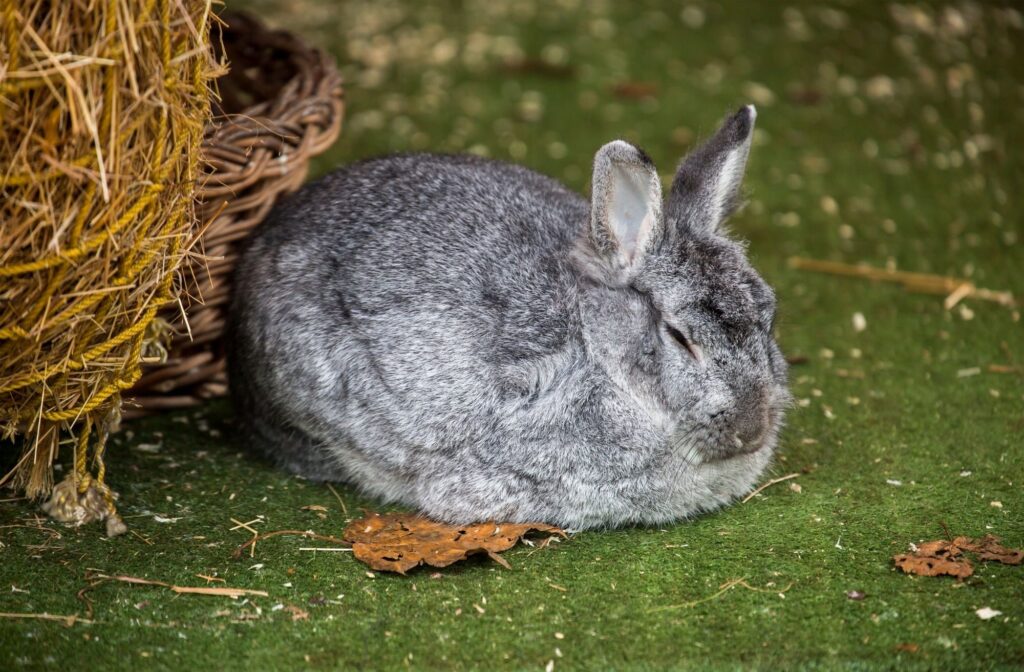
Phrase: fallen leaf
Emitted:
{"points": [[635, 90], [908, 647], [397, 542], [941, 557], [537, 66], [931, 566], [314, 507], [989, 548], [985, 613]]}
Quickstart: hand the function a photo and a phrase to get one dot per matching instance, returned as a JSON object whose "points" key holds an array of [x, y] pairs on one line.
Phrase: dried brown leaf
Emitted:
{"points": [[912, 563], [397, 542], [635, 90], [989, 548], [941, 557]]}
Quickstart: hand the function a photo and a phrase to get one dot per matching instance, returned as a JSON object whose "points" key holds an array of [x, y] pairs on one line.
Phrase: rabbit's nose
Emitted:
{"points": [[751, 424], [750, 434]]}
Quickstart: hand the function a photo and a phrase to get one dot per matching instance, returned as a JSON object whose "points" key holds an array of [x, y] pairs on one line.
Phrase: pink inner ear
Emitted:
{"points": [[632, 211]]}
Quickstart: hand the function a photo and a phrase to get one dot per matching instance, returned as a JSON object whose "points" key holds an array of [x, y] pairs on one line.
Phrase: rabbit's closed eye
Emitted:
{"points": [[687, 344]]}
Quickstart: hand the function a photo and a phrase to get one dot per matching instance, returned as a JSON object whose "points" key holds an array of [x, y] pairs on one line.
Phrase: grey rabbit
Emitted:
{"points": [[470, 338]]}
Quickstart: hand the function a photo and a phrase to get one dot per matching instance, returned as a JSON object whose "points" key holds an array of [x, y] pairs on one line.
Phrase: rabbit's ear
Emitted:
{"points": [[706, 188], [625, 214]]}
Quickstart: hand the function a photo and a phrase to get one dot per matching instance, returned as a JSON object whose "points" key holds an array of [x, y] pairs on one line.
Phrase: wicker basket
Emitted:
{"points": [[281, 104]]}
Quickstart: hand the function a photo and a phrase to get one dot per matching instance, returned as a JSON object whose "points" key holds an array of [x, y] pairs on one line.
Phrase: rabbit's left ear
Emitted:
{"points": [[706, 188], [625, 215]]}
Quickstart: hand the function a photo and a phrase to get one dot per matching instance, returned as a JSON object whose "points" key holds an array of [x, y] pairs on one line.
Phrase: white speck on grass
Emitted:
{"points": [[986, 613], [692, 16], [859, 322], [893, 481]]}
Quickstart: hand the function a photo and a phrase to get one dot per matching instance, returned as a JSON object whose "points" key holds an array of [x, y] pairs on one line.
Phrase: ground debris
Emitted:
{"points": [[954, 289], [987, 613], [397, 542], [630, 90], [298, 614], [96, 578], [941, 558]]}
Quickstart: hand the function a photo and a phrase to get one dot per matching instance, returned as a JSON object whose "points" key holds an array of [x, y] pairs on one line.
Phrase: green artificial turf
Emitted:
{"points": [[887, 134]]}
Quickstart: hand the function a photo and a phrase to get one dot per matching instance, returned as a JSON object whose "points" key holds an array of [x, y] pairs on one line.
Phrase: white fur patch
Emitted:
{"points": [[728, 182]]}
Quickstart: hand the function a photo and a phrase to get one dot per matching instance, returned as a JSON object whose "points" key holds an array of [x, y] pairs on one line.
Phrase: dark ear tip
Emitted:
{"points": [[742, 122]]}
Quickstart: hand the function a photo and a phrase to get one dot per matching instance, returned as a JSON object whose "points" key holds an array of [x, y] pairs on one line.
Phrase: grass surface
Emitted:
{"points": [[886, 135]]}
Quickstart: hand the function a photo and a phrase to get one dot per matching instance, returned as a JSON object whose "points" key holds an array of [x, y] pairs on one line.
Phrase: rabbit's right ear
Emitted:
{"points": [[625, 214]]}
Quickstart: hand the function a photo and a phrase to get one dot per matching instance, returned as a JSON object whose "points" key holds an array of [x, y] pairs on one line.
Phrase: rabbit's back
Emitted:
{"points": [[401, 300]]}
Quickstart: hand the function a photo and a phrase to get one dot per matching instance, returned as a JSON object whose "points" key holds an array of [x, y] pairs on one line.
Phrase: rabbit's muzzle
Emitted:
{"points": [[743, 428]]}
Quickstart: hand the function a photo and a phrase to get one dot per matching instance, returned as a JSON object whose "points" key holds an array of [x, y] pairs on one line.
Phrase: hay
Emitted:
{"points": [[281, 105], [102, 109]]}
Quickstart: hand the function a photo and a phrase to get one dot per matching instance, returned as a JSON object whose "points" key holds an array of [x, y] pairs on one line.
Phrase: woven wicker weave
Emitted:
{"points": [[281, 104]]}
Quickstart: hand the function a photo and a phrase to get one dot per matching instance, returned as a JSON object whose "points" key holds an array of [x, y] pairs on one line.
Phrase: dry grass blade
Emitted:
{"points": [[724, 588], [299, 533]]}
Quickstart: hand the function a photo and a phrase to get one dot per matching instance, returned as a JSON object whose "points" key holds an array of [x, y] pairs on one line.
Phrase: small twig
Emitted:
{"points": [[141, 537], [768, 485], [246, 526], [239, 525], [954, 289], [300, 533], [233, 593], [67, 620], [344, 509]]}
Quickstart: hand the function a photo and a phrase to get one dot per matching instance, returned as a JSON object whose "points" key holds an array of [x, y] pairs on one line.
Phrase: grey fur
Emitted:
{"points": [[466, 337]]}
